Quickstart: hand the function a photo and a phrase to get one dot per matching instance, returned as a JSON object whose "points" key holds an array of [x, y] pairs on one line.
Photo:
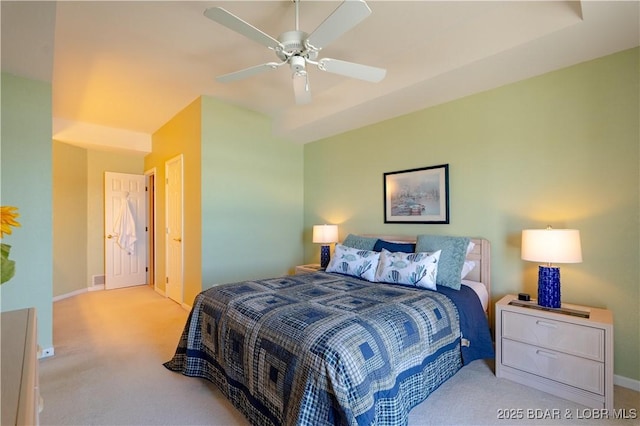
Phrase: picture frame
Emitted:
{"points": [[417, 195]]}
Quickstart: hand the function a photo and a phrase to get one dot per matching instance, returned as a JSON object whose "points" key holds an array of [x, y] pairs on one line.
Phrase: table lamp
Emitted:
{"points": [[325, 235], [550, 246]]}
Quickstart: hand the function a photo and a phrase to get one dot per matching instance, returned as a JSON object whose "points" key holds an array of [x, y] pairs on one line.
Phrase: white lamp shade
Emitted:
{"points": [[551, 245], [325, 234]]}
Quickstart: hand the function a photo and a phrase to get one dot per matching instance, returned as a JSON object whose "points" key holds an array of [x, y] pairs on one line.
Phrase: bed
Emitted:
{"points": [[330, 348]]}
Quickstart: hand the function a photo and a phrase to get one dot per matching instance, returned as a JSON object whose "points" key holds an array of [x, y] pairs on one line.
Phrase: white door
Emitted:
{"points": [[174, 242], [125, 245]]}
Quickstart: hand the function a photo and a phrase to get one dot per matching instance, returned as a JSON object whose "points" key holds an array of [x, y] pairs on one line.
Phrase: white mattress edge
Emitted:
{"points": [[480, 290]]}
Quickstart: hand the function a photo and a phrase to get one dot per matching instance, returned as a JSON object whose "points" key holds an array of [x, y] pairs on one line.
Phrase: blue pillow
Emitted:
{"points": [[454, 253], [394, 247], [358, 242]]}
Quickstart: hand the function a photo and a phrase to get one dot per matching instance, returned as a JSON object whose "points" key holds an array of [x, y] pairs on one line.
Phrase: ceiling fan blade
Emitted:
{"points": [[351, 69], [231, 21], [349, 14], [301, 88], [247, 72]]}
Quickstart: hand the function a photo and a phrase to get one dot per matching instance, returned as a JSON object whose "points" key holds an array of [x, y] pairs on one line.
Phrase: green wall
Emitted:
{"points": [[252, 199], [26, 178], [558, 149]]}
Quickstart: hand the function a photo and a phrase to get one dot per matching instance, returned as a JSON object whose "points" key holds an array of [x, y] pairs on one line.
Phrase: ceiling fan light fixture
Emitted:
{"points": [[298, 64], [301, 89]]}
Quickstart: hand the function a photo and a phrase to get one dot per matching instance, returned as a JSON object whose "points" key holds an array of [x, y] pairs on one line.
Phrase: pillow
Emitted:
{"points": [[415, 269], [358, 242], [355, 262], [394, 247], [467, 267], [454, 252], [470, 247]]}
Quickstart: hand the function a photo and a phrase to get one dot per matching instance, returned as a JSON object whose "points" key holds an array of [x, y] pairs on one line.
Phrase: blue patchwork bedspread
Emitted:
{"points": [[321, 349]]}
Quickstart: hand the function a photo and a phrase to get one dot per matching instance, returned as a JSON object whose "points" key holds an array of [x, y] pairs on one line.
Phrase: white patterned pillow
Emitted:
{"points": [[355, 262], [415, 269]]}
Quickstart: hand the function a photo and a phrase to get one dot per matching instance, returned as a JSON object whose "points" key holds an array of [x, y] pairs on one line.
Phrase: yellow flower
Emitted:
{"points": [[8, 215]]}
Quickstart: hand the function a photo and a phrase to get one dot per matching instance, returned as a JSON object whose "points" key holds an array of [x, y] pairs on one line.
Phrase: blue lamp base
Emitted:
{"points": [[325, 256], [549, 287]]}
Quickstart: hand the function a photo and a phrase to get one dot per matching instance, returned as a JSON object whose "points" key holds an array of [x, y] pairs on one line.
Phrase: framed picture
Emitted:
{"points": [[417, 195]]}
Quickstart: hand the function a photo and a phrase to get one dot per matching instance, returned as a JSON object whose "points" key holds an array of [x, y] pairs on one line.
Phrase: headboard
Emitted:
{"points": [[481, 255]]}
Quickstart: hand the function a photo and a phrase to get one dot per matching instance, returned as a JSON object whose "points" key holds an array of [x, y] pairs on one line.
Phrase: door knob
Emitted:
{"points": [[178, 240], [109, 236]]}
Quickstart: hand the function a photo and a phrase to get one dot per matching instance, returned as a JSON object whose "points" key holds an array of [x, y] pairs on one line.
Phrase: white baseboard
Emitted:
{"points": [[186, 307], [67, 295], [159, 291], [77, 292], [626, 382], [46, 353]]}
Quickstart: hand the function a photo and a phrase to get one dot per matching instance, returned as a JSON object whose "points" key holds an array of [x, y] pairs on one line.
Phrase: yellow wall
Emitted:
{"points": [[78, 200], [181, 135], [69, 218], [559, 149]]}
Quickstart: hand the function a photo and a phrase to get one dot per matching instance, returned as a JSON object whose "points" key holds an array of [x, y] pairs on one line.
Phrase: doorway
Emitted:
{"points": [[125, 227], [174, 229]]}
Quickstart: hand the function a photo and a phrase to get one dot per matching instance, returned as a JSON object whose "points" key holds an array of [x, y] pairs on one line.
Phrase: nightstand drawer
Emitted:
{"points": [[571, 370], [574, 339]]}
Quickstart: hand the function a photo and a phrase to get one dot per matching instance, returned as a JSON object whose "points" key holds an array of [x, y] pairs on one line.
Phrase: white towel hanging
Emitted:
{"points": [[125, 227]]}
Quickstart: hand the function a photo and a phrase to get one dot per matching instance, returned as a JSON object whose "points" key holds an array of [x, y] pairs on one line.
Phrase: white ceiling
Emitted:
{"points": [[129, 67]]}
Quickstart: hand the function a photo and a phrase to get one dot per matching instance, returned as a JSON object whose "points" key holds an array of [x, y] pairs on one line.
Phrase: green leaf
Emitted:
{"points": [[7, 266]]}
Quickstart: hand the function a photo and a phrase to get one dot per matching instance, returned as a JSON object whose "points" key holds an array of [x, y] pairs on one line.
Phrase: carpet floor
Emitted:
{"points": [[107, 370]]}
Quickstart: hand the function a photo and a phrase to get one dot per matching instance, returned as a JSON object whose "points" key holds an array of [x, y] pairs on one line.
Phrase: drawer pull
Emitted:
{"points": [[546, 354], [546, 324]]}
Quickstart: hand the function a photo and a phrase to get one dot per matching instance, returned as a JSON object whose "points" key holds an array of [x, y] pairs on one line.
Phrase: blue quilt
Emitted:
{"points": [[321, 349]]}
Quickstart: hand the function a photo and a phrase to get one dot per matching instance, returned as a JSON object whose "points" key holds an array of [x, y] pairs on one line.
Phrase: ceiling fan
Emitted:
{"points": [[298, 49]]}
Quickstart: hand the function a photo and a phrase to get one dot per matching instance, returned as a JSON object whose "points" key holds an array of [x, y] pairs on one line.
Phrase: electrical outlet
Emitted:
{"points": [[47, 353]]}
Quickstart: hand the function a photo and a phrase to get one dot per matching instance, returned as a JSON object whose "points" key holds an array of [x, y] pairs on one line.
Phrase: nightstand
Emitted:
{"points": [[305, 269], [567, 352]]}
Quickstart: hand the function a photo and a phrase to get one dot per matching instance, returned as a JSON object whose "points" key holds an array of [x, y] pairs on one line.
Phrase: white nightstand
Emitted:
{"points": [[305, 269], [564, 354]]}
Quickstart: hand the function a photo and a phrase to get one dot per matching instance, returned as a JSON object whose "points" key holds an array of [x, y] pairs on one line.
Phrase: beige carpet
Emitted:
{"points": [[107, 370]]}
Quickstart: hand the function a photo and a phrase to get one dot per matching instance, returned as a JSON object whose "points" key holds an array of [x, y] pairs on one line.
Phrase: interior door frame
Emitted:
{"points": [[152, 272]]}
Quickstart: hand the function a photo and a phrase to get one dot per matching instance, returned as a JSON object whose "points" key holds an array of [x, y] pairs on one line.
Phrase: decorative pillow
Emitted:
{"points": [[415, 269], [358, 242], [355, 262], [394, 247], [454, 252], [467, 267]]}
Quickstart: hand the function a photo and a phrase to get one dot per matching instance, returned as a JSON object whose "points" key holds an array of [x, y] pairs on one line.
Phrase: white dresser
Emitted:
{"points": [[21, 401], [561, 352]]}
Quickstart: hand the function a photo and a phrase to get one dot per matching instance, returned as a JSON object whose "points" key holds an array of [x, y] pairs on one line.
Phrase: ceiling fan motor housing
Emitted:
{"points": [[293, 46]]}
